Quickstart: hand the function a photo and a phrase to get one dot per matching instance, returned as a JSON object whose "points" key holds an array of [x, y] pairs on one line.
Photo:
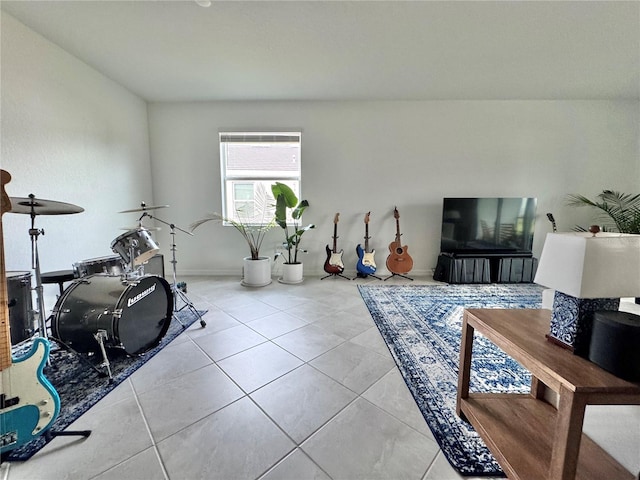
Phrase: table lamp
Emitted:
{"points": [[589, 272]]}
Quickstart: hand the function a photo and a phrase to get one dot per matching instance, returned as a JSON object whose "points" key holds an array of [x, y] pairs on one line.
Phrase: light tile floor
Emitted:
{"points": [[285, 382]]}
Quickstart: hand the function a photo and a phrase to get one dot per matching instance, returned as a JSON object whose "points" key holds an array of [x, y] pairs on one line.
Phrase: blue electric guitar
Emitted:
{"points": [[366, 263], [28, 402]]}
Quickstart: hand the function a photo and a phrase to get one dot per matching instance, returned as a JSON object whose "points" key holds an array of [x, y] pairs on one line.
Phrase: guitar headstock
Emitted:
{"points": [[336, 219], [366, 218], [396, 215], [5, 201]]}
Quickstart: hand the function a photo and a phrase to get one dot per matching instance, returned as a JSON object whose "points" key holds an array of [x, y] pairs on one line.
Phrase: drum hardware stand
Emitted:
{"points": [[34, 233], [100, 337], [134, 272], [175, 289], [77, 354]]}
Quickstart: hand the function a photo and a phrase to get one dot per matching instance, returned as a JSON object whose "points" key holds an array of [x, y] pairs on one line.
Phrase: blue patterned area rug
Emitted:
{"points": [[422, 326], [80, 386]]}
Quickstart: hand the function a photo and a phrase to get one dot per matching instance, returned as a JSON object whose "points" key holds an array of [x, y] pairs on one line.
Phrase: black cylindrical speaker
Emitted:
{"points": [[615, 343]]}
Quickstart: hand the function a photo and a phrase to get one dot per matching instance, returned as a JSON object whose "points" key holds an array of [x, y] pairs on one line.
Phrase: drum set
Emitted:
{"points": [[111, 303]]}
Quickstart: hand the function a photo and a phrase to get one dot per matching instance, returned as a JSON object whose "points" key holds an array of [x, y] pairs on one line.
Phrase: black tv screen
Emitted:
{"points": [[487, 225]]}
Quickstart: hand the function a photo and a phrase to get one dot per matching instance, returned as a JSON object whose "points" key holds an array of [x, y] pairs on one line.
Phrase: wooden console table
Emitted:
{"points": [[530, 438]]}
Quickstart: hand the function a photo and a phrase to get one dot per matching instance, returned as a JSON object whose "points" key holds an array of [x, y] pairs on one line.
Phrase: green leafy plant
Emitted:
{"points": [[252, 224], [286, 200], [619, 211]]}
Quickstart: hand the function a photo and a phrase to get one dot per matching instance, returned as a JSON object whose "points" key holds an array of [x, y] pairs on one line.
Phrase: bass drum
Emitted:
{"points": [[20, 306], [134, 314]]}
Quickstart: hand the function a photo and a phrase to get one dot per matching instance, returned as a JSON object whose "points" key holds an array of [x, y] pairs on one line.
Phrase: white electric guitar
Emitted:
{"points": [[333, 264]]}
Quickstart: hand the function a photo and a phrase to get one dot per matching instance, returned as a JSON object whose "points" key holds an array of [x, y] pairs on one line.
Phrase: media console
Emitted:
{"points": [[485, 268]]}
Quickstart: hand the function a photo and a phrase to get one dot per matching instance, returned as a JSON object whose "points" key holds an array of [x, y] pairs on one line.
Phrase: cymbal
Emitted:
{"points": [[39, 206], [137, 227], [143, 207]]}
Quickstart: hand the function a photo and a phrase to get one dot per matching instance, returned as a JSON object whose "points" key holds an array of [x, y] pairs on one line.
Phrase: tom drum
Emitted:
{"points": [[135, 246], [111, 265]]}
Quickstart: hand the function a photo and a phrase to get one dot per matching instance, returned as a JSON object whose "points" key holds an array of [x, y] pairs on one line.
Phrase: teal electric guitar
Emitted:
{"points": [[28, 402]]}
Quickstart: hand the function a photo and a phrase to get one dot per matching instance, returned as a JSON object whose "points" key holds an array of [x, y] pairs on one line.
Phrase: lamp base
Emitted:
{"points": [[572, 320], [559, 343]]}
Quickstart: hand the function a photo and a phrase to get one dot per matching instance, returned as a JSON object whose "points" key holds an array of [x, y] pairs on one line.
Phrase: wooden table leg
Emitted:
{"points": [[564, 458], [464, 374], [538, 388]]}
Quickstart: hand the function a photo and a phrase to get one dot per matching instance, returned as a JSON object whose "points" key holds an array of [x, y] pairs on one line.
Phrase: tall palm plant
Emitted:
{"points": [[253, 222], [620, 211]]}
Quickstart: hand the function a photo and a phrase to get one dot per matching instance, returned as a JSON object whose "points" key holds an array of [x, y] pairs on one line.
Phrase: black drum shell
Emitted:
{"points": [[20, 305], [135, 246], [110, 265], [135, 314]]}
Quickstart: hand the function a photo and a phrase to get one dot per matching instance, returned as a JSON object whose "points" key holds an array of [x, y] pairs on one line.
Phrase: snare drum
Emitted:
{"points": [[139, 242], [20, 306], [134, 314], [111, 265]]}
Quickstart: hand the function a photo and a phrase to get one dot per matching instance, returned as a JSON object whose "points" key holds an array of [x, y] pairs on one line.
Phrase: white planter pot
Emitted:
{"points": [[291, 273], [257, 273]]}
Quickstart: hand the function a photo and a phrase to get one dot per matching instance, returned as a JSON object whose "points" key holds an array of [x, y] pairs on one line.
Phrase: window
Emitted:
{"points": [[250, 162]]}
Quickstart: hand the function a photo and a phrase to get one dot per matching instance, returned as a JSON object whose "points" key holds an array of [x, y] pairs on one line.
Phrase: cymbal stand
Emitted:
{"points": [[177, 292], [34, 233]]}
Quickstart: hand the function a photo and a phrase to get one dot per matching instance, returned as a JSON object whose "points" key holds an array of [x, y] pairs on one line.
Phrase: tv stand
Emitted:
{"points": [[490, 267]]}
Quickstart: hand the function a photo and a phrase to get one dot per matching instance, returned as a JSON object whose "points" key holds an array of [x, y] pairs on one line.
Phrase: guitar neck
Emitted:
{"points": [[5, 334], [335, 238], [398, 231], [366, 238]]}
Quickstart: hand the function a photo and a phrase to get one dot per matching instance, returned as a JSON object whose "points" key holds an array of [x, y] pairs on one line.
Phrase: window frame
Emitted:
{"points": [[229, 181]]}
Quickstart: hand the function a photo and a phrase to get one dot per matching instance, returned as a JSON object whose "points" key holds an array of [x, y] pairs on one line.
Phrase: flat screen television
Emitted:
{"points": [[486, 226]]}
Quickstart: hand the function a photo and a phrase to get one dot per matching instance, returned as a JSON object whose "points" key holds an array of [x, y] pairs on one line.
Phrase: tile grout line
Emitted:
{"points": [[153, 440]]}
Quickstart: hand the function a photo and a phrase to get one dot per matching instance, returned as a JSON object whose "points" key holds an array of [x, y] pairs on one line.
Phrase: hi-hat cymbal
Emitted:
{"points": [[39, 206], [143, 208]]}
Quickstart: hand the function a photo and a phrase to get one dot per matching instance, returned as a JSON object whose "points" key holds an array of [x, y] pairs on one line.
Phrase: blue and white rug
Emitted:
{"points": [[422, 326], [80, 387]]}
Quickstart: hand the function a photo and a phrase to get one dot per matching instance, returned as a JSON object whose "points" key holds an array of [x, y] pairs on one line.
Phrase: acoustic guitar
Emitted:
{"points": [[333, 264], [28, 402], [399, 261], [366, 264]]}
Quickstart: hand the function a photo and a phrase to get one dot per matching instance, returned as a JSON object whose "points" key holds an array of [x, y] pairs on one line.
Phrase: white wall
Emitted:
{"points": [[361, 156], [71, 134], [68, 134]]}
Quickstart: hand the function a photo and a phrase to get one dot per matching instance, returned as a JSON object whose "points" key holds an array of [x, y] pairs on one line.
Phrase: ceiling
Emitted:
{"points": [[350, 50]]}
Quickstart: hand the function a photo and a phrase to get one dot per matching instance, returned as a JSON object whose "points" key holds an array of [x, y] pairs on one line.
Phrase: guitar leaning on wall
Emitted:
{"points": [[399, 261], [28, 402], [366, 264], [333, 264]]}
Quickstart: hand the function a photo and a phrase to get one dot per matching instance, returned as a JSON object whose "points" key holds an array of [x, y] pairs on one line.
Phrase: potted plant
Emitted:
{"points": [[620, 210], [253, 228], [287, 206]]}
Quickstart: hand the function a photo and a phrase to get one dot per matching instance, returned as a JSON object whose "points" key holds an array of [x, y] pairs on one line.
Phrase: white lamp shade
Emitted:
{"points": [[584, 266]]}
